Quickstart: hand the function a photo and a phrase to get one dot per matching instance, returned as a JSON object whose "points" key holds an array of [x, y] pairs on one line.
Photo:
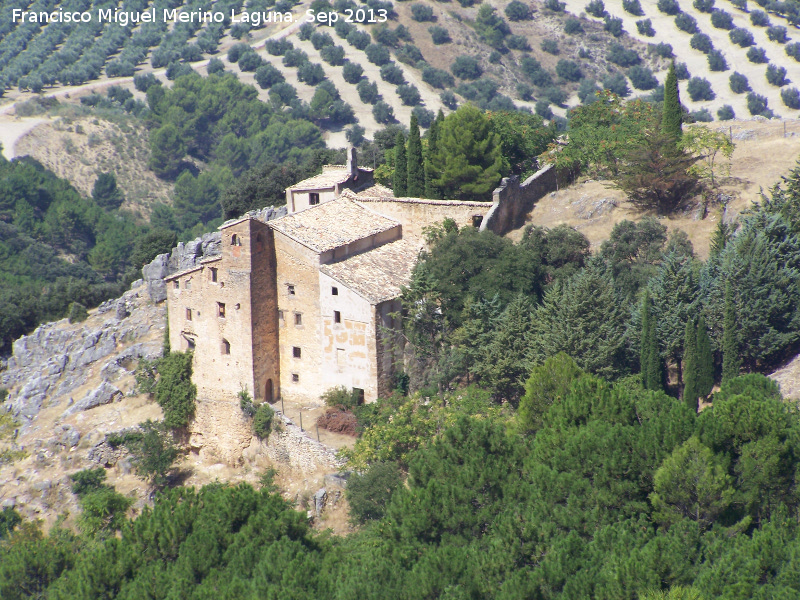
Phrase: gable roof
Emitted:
{"points": [[332, 224], [377, 275], [330, 176]]}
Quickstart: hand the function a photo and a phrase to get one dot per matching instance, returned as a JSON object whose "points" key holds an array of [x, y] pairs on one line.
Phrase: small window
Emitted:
{"points": [[290, 290], [188, 314], [177, 285], [334, 291], [298, 319], [188, 285], [358, 394], [189, 345], [213, 271], [296, 352], [281, 322], [295, 378], [226, 346], [221, 307], [337, 316], [313, 198], [477, 220], [235, 241], [341, 359]]}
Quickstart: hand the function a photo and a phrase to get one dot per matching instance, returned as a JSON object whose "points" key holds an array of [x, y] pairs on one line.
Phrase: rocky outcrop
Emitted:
{"points": [[187, 255], [105, 393]]}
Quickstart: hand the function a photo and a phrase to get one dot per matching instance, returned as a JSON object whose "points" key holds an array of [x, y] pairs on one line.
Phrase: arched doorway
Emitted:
{"points": [[268, 392]]}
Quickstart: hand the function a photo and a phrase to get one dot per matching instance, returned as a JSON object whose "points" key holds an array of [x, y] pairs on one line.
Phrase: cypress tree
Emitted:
{"points": [[650, 360], [400, 181], [671, 115], [431, 191], [415, 168], [730, 345], [705, 360], [690, 388]]}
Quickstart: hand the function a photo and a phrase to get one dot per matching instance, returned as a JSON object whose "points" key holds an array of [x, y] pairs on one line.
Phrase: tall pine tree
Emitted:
{"points": [[690, 371], [671, 115], [415, 168], [730, 345], [705, 360], [431, 190], [400, 180], [650, 360]]}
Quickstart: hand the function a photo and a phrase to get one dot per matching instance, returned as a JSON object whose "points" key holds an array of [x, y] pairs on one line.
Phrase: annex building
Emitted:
{"points": [[296, 305]]}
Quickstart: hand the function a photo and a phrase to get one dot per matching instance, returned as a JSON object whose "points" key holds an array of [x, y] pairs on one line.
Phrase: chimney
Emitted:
{"points": [[352, 162]]}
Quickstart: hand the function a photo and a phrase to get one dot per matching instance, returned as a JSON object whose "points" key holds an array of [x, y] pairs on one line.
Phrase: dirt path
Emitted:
{"points": [[13, 128]]}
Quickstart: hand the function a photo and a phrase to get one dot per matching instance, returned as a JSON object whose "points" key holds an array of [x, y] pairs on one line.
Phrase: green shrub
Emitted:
{"points": [[466, 67], [776, 75], [682, 72], [700, 89], [793, 50], [377, 54], [669, 7], [633, 7], [642, 78], [77, 313], [439, 35], [596, 8], [517, 11], [758, 105], [145, 376], [725, 113], [383, 113], [662, 49], [367, 91], [618, 84], [3, 395], [153, 452], [569, 70], [341, 397], [701, 116], [88, 480], [543, 109], [437, 78], [777, 34], [550, 46], [759, 18], [722, 20], [422, 13], [701, 42], [409, 94], [573, 26], [757, 55], [716, 61], [246, 404], [175, 392], [320, 39], [358, 39], [791, 98], [517, 42], [645, 27], [742, 37], [352, 72], [621, 56], [739, 83], [613, 25], [369, 493], [555, 5], [449, 99], [686, 23], [262, 421], [705, 6], [393, 74]]}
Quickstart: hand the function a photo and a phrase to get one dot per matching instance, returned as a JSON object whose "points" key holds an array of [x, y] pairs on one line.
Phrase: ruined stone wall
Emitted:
{"points": [[415, 214], [298, 266], [348, 347], [264, 295], [219, 432], [512, 201]]}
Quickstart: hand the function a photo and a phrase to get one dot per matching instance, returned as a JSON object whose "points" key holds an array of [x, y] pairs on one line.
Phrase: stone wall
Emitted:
{"points": [[513, 201]]}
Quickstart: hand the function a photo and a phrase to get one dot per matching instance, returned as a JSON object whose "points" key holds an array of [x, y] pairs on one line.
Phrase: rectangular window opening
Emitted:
{"points": [[313, 198], [177, 285], [290, 290], [296, 352], [213, 274], [295, 378], [337, 316], [334, 291], [221, 307], [298, 319], [188, 314]]}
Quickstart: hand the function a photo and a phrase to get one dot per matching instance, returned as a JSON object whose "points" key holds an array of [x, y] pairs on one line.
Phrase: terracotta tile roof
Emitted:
{"points": [[332, 224], [330, 176], [377, 275], [375, 191]]}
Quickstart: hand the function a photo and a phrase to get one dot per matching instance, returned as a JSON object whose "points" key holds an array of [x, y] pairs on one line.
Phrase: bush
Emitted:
{"points": [[657, 95], [175, 392], [555, 5], [449, 99], [3, 394], [262, 421], [424, 116], [705, 6], [355, 135], [543, 109], [633, 7], [555, 95], [777, 34], [306, 31], [740, 4], [294, 58], [573, 26], [621, 56], [793, 50], [776, 75], [343, 28], [439, 35], [517, 11], [700, 89], [759, 18], [701, 116], [757, 55], [320, 39], [596, 8], [642, 78], [215, 65], [266, 76], [645, 27], [725, 113], [758, 105], [437, 78], [352, 72], [333, 55], [663, 50], [278, 47], [669, 7], [739, 83], [378, 54], [682, 72], [722, 20], [409, 95], [282, 93], [569, 70], [235, 51], [88, 481], [176, 69], [716, 61], [613, 25], [369, 493], [791, 97], [516, 42], [587, 90], [618, 84], [77, 313], [383, 113], [410, 55], [311, 73], [466, 67], [701, 42], [550, 46], [421, 13], [393, 74], [383, 35], [742, 37], [524, 91], [686, 23], [367, 91], [358, 39]]}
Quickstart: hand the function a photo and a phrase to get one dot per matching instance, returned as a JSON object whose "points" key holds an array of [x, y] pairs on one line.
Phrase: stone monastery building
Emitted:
{"points": [[296, 305]]}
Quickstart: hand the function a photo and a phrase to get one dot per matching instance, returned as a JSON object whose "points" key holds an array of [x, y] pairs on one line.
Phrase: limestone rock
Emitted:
{"points": [[320, 498], [105, 393]]}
